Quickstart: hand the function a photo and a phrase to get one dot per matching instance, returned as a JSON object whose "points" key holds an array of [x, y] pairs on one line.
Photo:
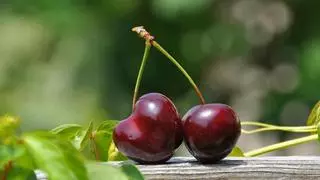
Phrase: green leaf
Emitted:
{"points": [[10, 152], [19, 173], [58, 158], [236, 152], [25, 161], [80, 141], [132, 172], [8, 125], [314, 116], [114, 154], [16, 153], [318, 131], [102, 140], [67, 130], [107, 125], [105, 171]]}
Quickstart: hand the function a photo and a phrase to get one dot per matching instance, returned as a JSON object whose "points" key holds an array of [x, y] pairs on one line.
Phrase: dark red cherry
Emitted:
{"points": [[211, 131], [152, 132]]}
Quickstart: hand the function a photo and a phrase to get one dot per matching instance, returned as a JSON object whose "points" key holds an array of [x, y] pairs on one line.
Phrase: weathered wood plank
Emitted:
{"points": [[289, 167]]}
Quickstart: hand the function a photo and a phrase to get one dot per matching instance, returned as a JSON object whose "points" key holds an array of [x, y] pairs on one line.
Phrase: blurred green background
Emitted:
{"points": [[71, 61]]}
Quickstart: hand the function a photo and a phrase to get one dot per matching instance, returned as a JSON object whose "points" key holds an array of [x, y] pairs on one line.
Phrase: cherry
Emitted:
{"points": [[211, 131], [152, 132]]}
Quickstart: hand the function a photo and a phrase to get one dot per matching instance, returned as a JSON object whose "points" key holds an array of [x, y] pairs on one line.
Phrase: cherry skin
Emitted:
{"points": [[152, 132], [211, 131]]}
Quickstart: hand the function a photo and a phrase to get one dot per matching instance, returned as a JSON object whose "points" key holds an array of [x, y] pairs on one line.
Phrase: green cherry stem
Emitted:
{"points": [[277, 129], [254, 123], [281, 145], [270, 127], [139, 77], [143, 33], [184, 72]]}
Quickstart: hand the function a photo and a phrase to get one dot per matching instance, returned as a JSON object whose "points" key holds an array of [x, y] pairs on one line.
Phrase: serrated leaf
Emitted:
{"points": [[9, 153], [58, 158], [105, 171], [102, 140], [67, 130], [236, 152], [314, 116], [132, 172], [114, 154], [19, 173], [80, 141], [107, 125]]}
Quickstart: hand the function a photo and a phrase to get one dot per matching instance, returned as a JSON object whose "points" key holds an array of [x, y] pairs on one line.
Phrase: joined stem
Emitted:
{"points": [[184, 72], [139, 77], [143, 33], [281, 145]]}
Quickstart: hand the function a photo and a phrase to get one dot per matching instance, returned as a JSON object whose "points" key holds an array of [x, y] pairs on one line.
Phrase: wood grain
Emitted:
{"points": [[178, 168]]}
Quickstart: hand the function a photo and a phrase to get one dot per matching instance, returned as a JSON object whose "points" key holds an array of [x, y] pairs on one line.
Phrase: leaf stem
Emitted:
{"points": [[139, 77], [281, 145], [7, 168], [184, 72]]}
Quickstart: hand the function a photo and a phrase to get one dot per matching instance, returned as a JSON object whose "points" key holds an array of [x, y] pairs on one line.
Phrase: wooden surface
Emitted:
{"points": [[289, 167]]}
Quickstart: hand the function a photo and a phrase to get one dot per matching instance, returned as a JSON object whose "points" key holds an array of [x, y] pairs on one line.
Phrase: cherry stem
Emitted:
{"points": [[281, 145], [270, 127], [184, 72], [139, 77], [141, 31], [276, 129], [254, 123]]}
